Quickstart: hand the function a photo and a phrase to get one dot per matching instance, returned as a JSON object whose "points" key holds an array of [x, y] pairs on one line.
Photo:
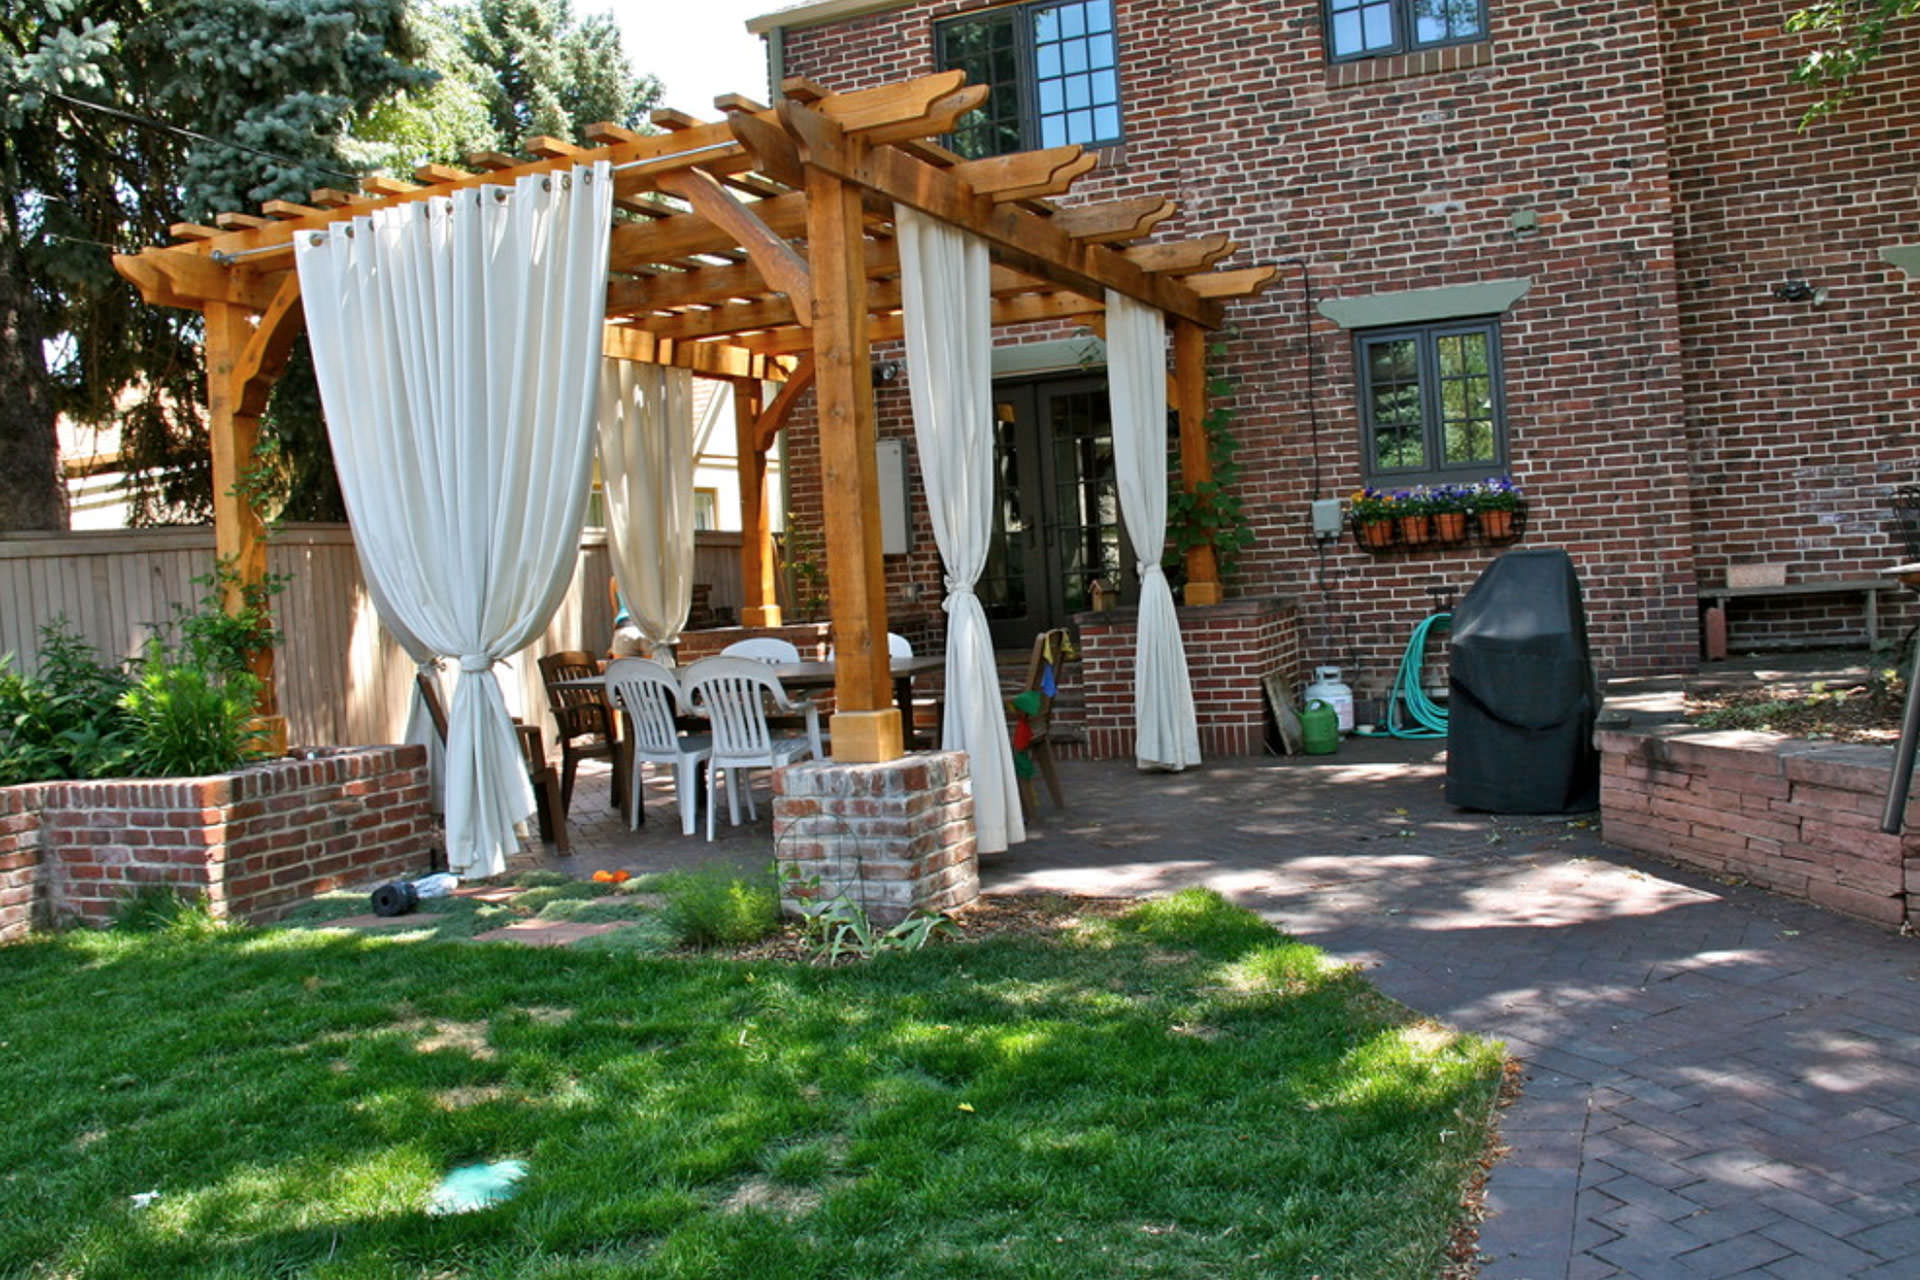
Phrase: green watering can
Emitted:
{"points": [[1319, 729]]}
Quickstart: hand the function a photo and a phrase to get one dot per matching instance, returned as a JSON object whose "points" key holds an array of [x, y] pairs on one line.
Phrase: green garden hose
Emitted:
{"points": [[1429, 717]]}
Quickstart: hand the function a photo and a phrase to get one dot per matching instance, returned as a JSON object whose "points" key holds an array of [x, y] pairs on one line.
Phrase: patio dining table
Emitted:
{"points": [[819, 675], [813, 675]]}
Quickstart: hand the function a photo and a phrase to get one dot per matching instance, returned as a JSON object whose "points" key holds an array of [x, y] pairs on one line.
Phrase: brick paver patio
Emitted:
{"points": [[1719, 1082]]}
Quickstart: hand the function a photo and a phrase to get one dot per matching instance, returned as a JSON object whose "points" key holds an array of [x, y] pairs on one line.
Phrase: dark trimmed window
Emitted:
{"points": [[1053, 68], [1430, 401], [1371, 28]]}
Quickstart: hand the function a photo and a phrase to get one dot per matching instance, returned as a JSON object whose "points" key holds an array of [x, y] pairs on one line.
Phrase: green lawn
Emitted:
{"points": [[1180, 1092]]}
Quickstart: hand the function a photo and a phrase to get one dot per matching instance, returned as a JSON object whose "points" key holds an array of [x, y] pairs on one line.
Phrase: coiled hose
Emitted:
{"points": [[1429, 717]]}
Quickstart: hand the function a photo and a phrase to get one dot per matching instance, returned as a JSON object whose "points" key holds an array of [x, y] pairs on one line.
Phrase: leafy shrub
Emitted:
{"points": [[715, 906], [184, 707], [67, 721]]}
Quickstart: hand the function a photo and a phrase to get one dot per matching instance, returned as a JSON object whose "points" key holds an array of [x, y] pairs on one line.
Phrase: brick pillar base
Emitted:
{"points": [[895, 837]]}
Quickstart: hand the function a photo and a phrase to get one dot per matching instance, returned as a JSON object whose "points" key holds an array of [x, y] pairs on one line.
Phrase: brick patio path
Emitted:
{"points": [[1719, 1082]]}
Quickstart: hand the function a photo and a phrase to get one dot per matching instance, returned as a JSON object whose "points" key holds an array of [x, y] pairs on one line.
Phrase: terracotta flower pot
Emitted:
{"points": [[1450, 526], [1416, 530], [1497, 525], [1376, 533]]}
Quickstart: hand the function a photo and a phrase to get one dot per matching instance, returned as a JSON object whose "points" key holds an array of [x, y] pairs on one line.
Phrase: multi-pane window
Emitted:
{"points": [[1369, 28], [1053, 70], [1430, 401]]}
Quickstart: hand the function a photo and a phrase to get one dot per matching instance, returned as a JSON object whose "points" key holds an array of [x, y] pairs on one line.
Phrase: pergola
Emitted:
{"points": [[757, 248]]}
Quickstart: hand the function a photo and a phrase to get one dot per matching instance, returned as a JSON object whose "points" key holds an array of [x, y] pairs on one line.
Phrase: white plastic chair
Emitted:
{"points": [[733, 694], [898, 646], [770, 649], [650, 695]]}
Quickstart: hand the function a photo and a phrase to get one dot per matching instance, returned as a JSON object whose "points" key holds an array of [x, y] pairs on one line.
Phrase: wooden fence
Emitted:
{"points": [[342, 679]]}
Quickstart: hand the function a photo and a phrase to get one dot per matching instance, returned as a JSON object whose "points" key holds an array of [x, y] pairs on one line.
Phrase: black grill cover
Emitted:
{"points": [[1522, 697]]}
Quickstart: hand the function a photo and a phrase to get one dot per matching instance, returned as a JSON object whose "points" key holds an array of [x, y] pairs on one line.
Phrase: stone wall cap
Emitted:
{"points": [[1238, 607]]}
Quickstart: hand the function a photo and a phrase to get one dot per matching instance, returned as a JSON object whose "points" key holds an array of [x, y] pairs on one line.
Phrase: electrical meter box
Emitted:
{"points": [[1328, 519]]}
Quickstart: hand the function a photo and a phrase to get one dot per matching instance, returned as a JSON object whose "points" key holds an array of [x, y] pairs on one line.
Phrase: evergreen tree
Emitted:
{"points": [[88, 167]]}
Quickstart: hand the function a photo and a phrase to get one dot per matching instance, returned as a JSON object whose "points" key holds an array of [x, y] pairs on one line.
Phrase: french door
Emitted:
{"points": [[1057, 524]]}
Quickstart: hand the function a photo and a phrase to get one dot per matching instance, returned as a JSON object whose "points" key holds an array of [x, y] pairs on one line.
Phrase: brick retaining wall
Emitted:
{"points": [[252, 843], [1230, 648], [1797, 817]]}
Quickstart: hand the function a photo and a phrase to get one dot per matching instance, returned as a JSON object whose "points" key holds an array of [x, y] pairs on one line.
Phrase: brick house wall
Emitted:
{"points": [[1666, 414], [252, 843], [1800, 415]]}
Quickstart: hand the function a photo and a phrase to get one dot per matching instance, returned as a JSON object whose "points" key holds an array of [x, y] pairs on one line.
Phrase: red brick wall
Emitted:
{"points": [[252, 843], [1665, 413], [20, 893], [1800, 415], [1794, 817], [1230, 648]]}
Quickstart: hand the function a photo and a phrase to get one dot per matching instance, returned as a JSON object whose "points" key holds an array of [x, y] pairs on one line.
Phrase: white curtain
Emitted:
{"points": [[1166, 733], [646, 465], [457, 345], [949, 330]]}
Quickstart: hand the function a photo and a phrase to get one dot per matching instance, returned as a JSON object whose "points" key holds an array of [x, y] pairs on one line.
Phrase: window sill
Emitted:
{"points": [[1397, 66]]}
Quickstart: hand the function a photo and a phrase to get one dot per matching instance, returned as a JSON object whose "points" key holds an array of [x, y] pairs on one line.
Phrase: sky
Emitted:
{"points": [[697, 48]]}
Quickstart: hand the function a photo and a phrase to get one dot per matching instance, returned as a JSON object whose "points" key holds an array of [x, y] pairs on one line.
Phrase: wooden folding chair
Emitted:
{"points": [[1049, 649], [546, 783]]}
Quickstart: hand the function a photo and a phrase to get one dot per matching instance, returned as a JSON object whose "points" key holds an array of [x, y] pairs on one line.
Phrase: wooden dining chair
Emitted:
{"points": [[585, 720], [546, 783]]}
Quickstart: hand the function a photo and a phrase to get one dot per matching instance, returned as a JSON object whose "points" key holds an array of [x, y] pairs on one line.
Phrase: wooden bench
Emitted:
{"points": [[1718, 633]]}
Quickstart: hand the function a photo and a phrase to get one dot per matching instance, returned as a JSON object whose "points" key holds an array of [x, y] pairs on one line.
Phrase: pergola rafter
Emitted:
{"points": [[755, 248]]}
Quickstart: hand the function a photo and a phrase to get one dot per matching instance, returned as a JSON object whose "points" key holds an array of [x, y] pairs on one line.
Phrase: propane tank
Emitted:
{"points": [[1327, 688], [1319, 729]]}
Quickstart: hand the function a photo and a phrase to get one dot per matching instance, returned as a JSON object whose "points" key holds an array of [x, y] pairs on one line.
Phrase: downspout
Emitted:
{"points": [[776, 61]]}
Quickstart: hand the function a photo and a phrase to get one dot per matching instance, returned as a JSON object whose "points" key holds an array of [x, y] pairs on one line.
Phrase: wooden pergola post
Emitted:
{"points": [[760, 604], [1196, 463], [866, 723], [239, 536]]}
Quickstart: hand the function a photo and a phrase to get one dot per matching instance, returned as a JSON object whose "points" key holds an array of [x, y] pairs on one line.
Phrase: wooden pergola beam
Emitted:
{"points": [[710, 359], [776, 260], [773, 419], [1024, 240], [1024, 309]]}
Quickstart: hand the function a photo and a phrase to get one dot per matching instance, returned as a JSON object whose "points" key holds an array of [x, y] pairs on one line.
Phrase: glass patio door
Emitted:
{"points": [[1057, 508]]}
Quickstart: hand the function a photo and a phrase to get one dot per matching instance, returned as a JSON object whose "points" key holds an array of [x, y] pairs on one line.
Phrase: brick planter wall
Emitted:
{"points": [[1799, 818], [1230, 647], [19, 860], [252, 842], [895, 837]]}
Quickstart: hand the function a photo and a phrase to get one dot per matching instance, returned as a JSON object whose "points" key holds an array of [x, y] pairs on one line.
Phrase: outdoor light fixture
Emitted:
{"points": [[1797, 290], [886, 371]]}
